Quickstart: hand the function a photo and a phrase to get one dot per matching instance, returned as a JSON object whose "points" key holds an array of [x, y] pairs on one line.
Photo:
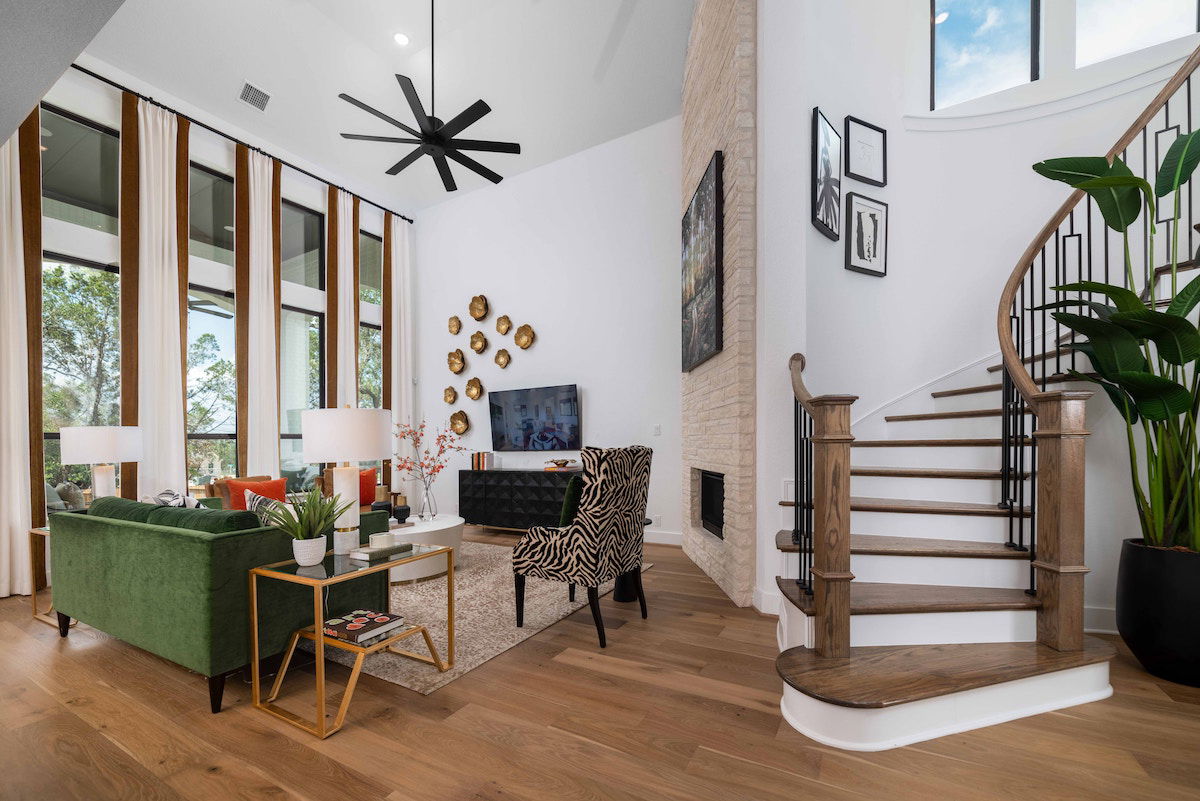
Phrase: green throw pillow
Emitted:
{"points": [[570, 505], [213, 521], [117, 508]]}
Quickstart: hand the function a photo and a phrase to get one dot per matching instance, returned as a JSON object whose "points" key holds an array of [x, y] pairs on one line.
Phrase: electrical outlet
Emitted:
{"points": [[657, 521], [657, 430]]}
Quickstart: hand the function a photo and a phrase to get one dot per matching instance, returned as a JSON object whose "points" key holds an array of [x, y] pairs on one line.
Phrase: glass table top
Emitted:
{"points": [[337, 565]]}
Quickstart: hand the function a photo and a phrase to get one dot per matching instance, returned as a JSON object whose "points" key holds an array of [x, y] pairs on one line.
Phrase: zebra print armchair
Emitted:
{"points": [[605, 539]]}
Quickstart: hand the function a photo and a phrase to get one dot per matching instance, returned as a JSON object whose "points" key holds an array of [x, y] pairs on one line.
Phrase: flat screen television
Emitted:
{"points": [[541, 419]]}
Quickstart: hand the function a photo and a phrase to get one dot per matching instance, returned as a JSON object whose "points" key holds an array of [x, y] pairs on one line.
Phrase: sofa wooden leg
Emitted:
{"points": [[571, 593], [64, 624], [519, 581], [216, 691], [594, 602], [641, 595]]}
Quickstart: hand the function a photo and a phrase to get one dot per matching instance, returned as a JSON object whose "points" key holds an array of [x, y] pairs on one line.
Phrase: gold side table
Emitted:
{"points": [[38, 539], [335, 570]]}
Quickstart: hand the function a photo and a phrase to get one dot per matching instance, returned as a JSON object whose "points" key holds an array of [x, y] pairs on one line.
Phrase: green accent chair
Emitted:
{"points": [[174, 582]]}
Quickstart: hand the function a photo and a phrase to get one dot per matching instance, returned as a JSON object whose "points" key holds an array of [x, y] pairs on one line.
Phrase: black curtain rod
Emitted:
{"points": [[235, 140]]}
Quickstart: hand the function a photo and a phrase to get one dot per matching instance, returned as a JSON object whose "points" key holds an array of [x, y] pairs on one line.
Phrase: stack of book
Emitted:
{"points": [[483, 460], [362, 626], [376, 552]]}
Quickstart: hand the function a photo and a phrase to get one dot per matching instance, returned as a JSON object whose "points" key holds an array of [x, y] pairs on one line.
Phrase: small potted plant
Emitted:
{"points": [[426, 462], [308, 522]]}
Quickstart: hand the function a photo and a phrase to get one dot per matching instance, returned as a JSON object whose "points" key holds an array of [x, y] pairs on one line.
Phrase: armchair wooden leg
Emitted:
{"points": [[64, 624], [571, 593], [641, 595], [216, 691], [519, 581], [594, 602]]}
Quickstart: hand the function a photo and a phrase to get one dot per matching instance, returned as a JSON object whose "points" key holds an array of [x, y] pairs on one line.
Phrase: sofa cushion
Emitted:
{"points": [[570, 505], [212, 521], [117, 508], [271, 488]]}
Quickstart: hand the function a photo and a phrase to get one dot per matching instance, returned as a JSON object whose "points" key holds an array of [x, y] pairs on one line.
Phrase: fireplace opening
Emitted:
{"points": [[712, 502]]}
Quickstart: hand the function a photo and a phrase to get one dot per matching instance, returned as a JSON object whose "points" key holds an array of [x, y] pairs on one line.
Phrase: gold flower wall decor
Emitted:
{"points": [[459, 423], [479, 342], [450, 394], [524, 337], [456, 361], [503, 324], [455, 324], [478, 307], [502, 358], [474, 389]]}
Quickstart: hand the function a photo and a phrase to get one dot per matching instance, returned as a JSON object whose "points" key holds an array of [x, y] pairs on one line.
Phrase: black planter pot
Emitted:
{"points": [[1158, 610]]}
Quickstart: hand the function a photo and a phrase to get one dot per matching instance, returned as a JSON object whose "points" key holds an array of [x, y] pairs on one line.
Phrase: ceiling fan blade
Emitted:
{"points": [[414, 102], [480, 144], [472, 164], [378, 114], [370, 138], [443, 169], [474, 113], [406, 161]]}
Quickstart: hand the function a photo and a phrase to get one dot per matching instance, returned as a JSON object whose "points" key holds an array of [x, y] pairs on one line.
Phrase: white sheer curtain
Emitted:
{"points": [[401, 324], [15, 510], [262, 416], [160, 363], [347, 304]]}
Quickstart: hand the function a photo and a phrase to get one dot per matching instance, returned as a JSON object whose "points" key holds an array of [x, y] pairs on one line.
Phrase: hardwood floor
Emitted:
{"points": [[681, 706]]}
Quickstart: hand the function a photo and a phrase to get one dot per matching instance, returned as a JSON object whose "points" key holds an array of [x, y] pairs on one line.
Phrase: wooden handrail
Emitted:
{"points": [[1008, 349]]}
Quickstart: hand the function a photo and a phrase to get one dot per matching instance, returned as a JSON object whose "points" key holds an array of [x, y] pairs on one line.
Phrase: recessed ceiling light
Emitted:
{"points": [[401, 39], [940, 18]]}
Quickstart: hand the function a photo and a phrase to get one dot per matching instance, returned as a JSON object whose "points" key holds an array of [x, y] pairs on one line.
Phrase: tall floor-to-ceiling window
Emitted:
{"points": [[370, 333], [80, 170], [211, 386], [210, 215]]}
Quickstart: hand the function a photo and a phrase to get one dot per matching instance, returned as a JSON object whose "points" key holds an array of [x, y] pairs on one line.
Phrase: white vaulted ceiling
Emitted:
{"points": [[560, 75]]}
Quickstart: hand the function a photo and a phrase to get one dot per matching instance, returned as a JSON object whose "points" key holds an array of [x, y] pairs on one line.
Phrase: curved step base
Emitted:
{"points": [[879, 729]]}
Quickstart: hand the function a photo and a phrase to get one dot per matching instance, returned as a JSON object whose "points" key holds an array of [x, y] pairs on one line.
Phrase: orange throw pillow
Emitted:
{"points": [[366, 487], [275, 489]]}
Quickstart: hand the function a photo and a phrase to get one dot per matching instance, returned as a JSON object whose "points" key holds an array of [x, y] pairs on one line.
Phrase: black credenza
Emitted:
{"points": [[515, 499]]}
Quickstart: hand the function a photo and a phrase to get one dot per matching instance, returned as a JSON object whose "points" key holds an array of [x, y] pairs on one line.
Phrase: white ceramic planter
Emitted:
{"points": [[309, 552]]}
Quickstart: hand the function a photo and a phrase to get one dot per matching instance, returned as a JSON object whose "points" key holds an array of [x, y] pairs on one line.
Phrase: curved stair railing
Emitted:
{"points": [[821, 509], [1042, 423]]}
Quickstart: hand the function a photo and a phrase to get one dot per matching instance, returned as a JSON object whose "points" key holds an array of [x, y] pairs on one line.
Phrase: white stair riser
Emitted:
{"points": [[893, 726], [944, 489], [952, 571], [943, 527], [985, 458], [951, 427], [929, 628]]}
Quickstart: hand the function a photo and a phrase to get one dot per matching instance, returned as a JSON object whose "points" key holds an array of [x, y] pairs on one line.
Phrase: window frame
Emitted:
{"points": [[358, 375], [321, 266], [320, 315], [215, 173], [1035, 46], [363, 232], [237, 416], [87, 123]]}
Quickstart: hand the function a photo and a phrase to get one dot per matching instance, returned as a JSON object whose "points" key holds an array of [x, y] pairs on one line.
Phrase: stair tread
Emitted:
{"points": [[974, 442], [1037, 357], [879, 676], [955, 415], [929, 472], [1058, 378], [870, 598], [917, 506], [884, 545]]}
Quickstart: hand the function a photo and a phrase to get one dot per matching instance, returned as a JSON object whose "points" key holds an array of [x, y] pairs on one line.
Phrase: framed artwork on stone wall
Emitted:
{"points": [[826, 176], [703, 265]]}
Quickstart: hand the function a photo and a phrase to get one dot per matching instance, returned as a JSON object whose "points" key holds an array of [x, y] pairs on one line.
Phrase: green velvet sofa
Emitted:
{"points": [[174, 582]]}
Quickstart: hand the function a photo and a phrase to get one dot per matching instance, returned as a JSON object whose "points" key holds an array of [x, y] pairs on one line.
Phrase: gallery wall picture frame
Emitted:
{"points": [[866, 152], [866, 235], [703, 257], [826, 176]]}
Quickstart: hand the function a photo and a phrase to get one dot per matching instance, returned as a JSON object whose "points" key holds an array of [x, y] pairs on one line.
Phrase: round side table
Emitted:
{"points": [[441, 530]]}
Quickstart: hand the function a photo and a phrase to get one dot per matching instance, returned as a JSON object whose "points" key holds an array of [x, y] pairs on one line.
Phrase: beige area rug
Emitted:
{"points": [[485, 619]]}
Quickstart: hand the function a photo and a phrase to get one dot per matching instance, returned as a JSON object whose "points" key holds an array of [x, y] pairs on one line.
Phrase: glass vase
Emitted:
{"points": [[428, 509]]}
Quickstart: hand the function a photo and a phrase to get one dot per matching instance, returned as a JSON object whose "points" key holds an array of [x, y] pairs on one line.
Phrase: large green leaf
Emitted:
{"points": [[1072, 169], [1102, 310], [1157, 398], [1117, 195], [1183, 303], [1118, 396], [1178, 165], [1126, 299], [1177, 340], [1114, 350]]}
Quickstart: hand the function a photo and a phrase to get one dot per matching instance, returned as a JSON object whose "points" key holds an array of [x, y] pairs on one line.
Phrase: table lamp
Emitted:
{"points": [[102, 447], [347, 436]]}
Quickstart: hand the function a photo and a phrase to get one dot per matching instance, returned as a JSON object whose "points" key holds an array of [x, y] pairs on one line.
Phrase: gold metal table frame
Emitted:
{"points": [[320, 727], [38, 538]]}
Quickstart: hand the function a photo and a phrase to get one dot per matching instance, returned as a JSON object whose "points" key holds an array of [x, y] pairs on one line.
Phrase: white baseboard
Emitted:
{"points": [[767, 601], [663, 537], [1099, 620]]}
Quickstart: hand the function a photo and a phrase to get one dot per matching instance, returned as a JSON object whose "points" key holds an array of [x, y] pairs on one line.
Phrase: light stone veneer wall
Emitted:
{"points": [[718, 403]]}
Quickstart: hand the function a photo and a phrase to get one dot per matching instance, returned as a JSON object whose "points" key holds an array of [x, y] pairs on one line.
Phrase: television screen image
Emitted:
{"points": [[541, 419]]}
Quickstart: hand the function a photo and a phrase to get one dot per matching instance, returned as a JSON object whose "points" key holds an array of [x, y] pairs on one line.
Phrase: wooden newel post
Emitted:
{"points": [[831, 523], [1060, 516]]}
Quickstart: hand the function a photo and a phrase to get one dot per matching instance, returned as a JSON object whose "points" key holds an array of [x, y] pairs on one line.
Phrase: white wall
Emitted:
{"points": [[585, 250], [963, 205]]}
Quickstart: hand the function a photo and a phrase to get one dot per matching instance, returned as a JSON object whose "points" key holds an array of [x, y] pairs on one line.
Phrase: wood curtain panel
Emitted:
{"points": [[182, 186], [29, 152], [331, 291], [241, 298], [128, 228], [387, 329], [277, 262]]}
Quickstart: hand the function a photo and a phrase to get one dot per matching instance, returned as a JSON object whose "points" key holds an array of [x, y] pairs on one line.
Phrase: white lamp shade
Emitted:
{"points": [[346, 435], [101, 444]]}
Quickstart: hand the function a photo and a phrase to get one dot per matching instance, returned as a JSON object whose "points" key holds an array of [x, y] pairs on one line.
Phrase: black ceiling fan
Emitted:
{"points": [[435, 138]]}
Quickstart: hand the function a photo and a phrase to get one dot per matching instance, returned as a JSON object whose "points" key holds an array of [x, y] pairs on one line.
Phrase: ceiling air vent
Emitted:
{"points": [[254, 96]]}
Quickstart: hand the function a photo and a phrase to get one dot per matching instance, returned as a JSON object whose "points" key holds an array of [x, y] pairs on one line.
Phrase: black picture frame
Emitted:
{"points": [[856, 259], [826, 177], [851, 172], [702, 271]]}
